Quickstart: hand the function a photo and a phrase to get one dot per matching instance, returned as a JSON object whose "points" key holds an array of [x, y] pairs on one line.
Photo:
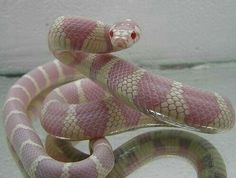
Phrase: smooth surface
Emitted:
{"points": [[185, 29]]}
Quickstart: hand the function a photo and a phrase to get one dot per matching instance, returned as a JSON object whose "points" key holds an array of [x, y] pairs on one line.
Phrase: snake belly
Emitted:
{"points": [[127, 97]]}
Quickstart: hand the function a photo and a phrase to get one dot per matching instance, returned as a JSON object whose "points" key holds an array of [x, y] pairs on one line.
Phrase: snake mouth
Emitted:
{"points": [[120, 43]]}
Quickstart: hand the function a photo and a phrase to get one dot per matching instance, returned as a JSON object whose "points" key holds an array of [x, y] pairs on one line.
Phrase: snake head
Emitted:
{"points": [[124, 34]]}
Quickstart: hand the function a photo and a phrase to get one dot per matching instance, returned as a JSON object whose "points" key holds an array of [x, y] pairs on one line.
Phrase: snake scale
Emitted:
{"points": [[116, 96]]}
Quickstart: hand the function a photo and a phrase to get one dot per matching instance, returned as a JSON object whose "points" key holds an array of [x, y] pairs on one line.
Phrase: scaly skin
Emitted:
{"points": [[133, 98], [143, 148]]}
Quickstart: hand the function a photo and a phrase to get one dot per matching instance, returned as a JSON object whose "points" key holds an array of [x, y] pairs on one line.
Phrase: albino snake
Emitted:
{"points": [[118, 96]]}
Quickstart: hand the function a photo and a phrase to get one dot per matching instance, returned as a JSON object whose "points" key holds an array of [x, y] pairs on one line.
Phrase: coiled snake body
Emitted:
{"points": [[121, 97]]}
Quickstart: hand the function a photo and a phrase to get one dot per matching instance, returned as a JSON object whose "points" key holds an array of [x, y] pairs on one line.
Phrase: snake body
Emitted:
{"points": [[118, 96]]}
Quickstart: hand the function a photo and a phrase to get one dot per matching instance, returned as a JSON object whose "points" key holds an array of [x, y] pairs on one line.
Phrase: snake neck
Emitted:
{"points": [[80, 34]]}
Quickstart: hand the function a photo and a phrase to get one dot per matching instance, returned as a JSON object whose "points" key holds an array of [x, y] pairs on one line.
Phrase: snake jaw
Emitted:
{"points": [[124, 34], [120, 42]]}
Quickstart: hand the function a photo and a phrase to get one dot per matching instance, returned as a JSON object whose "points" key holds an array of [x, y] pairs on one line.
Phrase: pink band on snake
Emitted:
{"points": [[117, 97]]}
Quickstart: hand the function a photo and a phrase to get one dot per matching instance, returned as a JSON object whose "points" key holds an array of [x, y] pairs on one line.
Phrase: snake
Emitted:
{"points": [[111, 96]]}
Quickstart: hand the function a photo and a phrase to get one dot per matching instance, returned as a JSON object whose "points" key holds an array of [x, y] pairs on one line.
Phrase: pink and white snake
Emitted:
{"points": [[115, 97]]}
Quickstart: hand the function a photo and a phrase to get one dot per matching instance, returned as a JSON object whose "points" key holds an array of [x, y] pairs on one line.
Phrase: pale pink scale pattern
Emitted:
{"points": [[51, 165], [77, 30], [202, 106], [86, 121], [91, 90], [152, 91], [37, 75], [129, 97], [119, 70], [26, 142], [131, 117], [70, 93], [98, 64], [52, 122]]}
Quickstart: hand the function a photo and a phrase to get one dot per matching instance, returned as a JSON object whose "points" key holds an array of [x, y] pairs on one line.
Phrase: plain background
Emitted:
{"points": [[187, 40], [174, 29]]}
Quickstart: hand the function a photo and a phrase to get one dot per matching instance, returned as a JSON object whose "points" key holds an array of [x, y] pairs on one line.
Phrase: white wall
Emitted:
{"points": [[173, 29]]}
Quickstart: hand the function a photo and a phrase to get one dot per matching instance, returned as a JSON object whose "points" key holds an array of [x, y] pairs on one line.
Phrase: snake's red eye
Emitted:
{"points": [[133, 35], [111, 33]]}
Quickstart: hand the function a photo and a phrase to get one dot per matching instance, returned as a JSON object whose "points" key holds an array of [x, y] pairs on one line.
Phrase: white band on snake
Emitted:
{"points": [[115, 96]]}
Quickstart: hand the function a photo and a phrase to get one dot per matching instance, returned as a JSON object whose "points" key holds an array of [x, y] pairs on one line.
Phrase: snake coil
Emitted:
{"points": [[116, 96]]}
